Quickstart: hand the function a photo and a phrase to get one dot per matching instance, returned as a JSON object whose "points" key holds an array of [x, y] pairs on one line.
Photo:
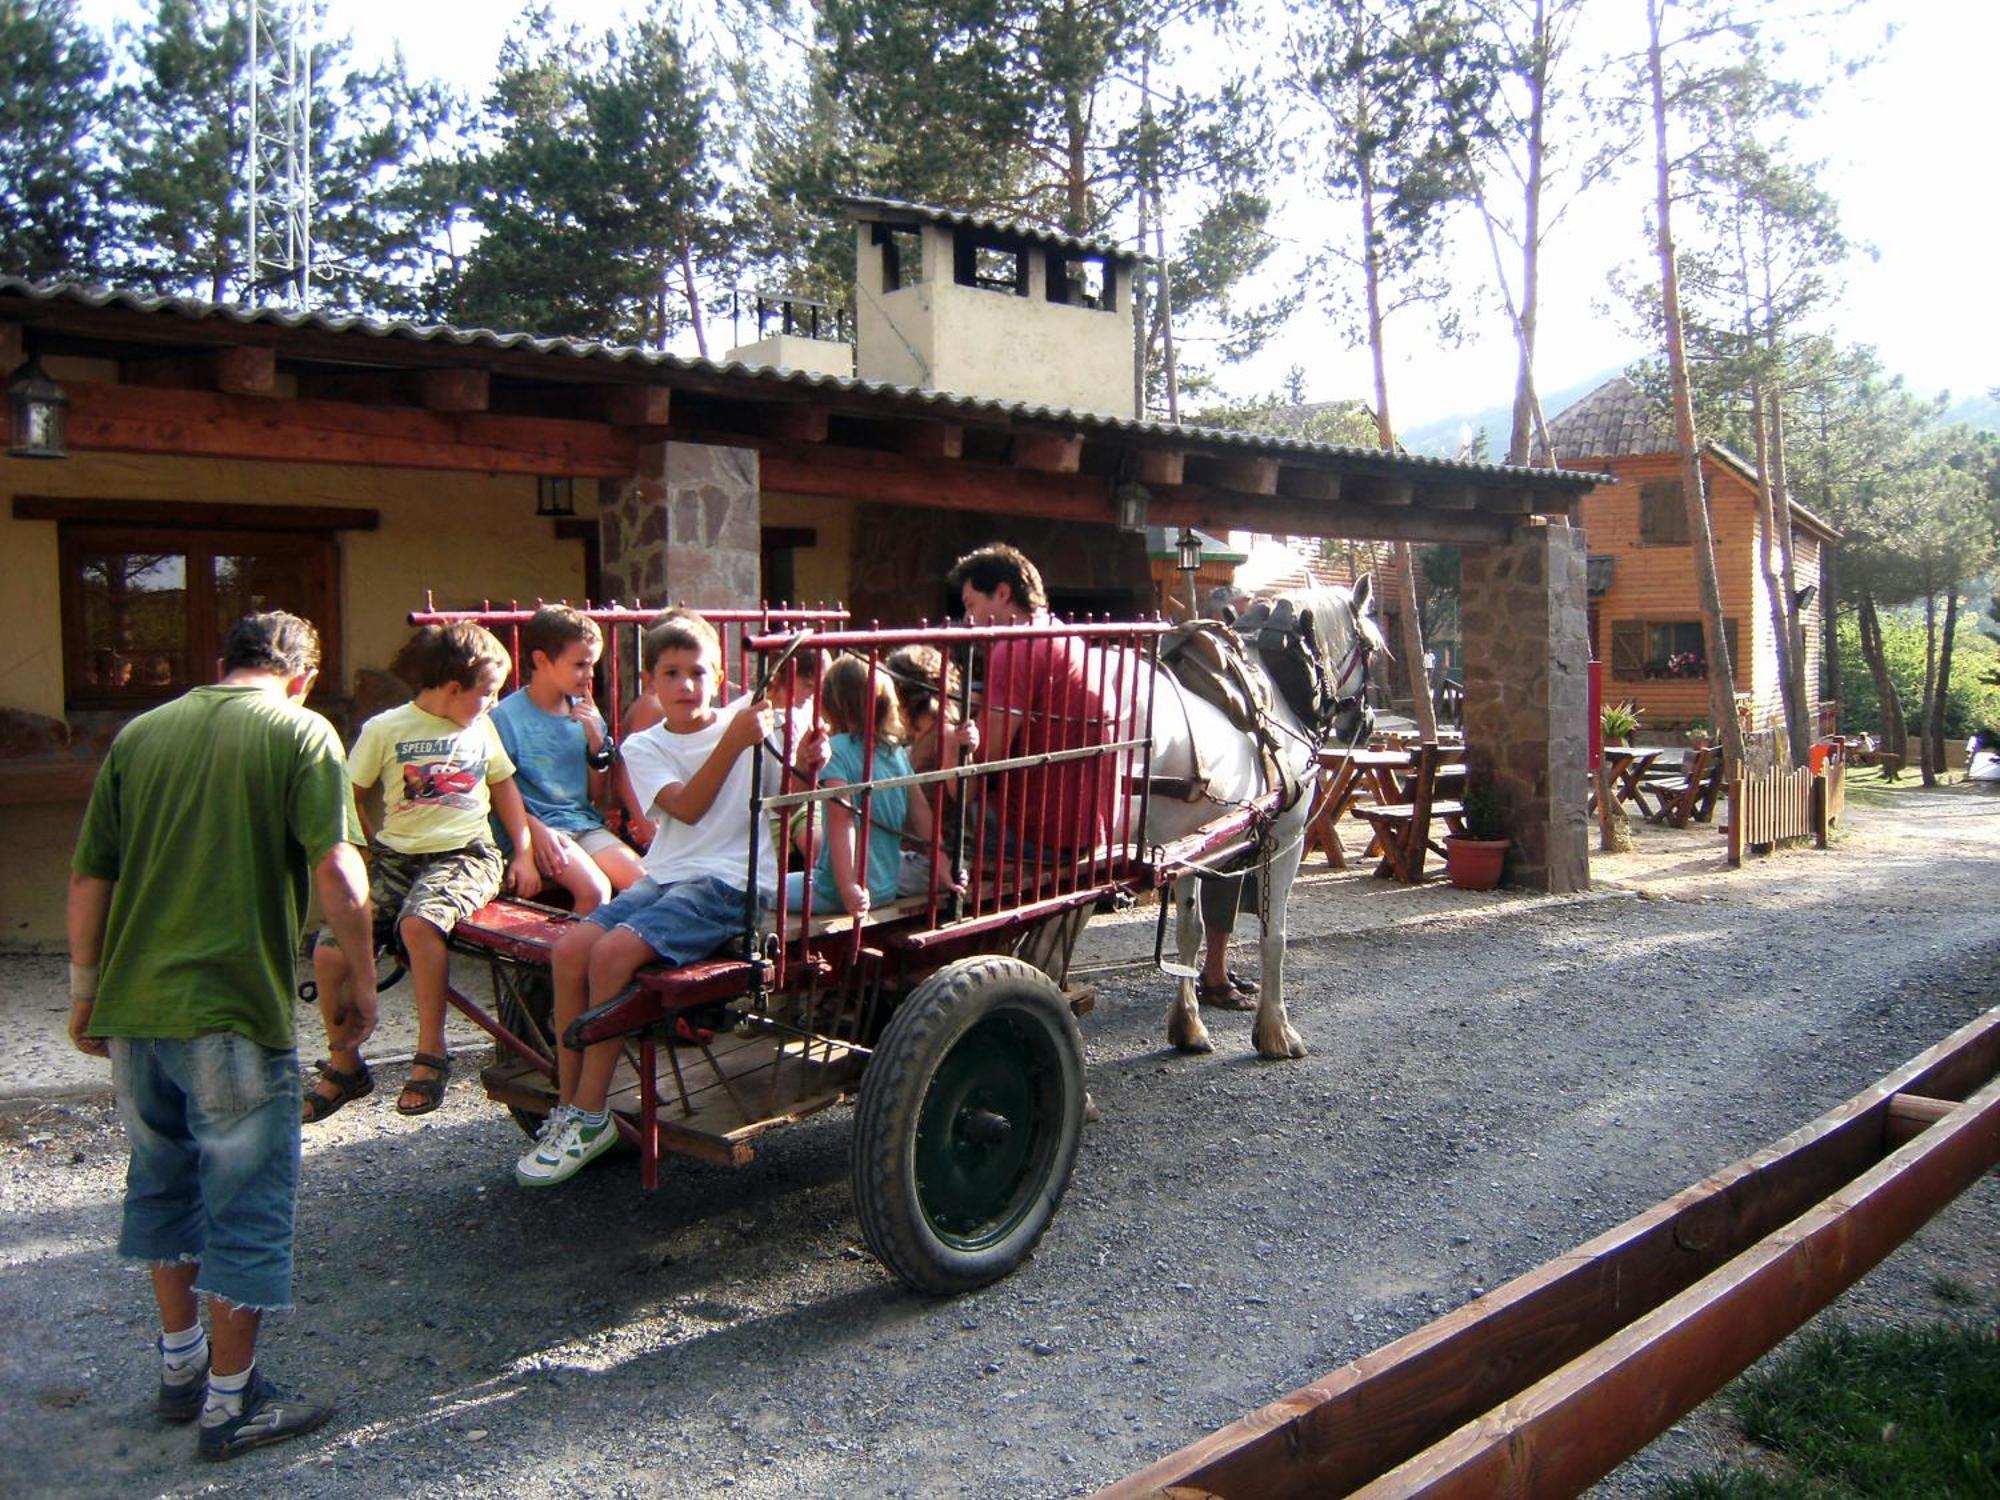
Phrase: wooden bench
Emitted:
{"points": [[1690, 796], [1403, 831]]}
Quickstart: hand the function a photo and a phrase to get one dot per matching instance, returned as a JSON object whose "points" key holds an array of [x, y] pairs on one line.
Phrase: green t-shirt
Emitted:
{"points": [[210, 813]]}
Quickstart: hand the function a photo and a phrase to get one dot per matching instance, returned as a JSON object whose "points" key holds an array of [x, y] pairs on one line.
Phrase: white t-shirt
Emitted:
{"points": [[719, 845]]}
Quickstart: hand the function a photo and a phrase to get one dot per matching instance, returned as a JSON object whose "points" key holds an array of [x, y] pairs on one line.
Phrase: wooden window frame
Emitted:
{"points": [[1625, 669], [200, 545], [1657, 490]]}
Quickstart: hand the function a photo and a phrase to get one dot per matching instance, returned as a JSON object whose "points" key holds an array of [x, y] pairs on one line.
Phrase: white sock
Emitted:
{"points": [[183, 1354], [593, 1119], [225, 1395]]}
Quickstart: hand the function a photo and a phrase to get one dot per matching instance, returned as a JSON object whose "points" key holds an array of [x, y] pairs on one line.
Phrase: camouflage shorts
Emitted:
{"points": [[441, 888]]}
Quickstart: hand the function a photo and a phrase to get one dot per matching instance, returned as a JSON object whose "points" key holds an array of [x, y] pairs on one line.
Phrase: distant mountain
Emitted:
{"points": [[1442, 438], [1980, 411]]}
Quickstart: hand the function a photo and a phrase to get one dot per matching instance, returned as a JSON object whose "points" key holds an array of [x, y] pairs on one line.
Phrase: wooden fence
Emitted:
{"points": [[1772, 807]]}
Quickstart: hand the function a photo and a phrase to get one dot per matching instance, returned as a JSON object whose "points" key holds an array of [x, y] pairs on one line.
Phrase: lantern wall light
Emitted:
{"points": [[38, 410], [555, 495]]}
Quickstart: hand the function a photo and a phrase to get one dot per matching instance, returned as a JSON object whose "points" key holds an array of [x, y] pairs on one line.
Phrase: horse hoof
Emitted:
{"points": [[1286, 1046], [1194, 1039]]}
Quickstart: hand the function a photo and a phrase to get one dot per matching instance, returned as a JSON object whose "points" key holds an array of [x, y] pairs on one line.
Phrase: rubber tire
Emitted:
{"points": [[920, 1036]]}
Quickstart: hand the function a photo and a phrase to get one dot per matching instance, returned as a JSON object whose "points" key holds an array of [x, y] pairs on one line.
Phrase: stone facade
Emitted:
{"points": [[1526, 697], [684, 528]]}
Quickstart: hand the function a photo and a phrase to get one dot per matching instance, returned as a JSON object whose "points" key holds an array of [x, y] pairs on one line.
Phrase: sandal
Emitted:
{"points": [[429, 1091], [1241, 985], [1224, 996], [356, 1085]]}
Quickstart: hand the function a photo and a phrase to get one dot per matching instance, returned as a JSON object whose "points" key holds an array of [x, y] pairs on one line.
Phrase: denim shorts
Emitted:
{"points": [[683, 922], [213, 1123]]}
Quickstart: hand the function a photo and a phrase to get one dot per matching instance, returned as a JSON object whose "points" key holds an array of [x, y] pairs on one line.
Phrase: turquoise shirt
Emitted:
{"points": [[885, 838], [549, 766]]}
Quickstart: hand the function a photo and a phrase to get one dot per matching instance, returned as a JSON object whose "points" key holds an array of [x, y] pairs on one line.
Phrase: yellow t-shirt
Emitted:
{"points": [[434, 777]]}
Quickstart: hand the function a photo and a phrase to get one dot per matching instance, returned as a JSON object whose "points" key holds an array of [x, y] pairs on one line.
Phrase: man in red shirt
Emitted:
{"points": [[1043, 694]]}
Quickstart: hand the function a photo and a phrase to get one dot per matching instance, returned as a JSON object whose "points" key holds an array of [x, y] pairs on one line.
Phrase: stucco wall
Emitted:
{"points": [[788, 351], [821, 572]]}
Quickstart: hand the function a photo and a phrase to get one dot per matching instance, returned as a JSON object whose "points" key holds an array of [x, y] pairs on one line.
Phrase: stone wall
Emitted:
{"points": [[683, 528], [1526, 698]]}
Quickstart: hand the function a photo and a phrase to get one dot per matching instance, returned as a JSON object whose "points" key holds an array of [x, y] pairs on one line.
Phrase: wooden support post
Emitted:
{"points": [[635, 405], [933, 440], [1736, 811], [454, 390], [11, 356], [1048, 452], [1163, 468], [1820, 831]]}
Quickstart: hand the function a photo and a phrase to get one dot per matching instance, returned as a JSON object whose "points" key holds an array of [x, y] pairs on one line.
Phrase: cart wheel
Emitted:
{"points": [[970, 1115], [526, 1001]]}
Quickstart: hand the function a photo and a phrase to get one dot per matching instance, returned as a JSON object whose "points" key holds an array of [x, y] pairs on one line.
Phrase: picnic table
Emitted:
{"points": [[1625, 768], [1387, 779]]}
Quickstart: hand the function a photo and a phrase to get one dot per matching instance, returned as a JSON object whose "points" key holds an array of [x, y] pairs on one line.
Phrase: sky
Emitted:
{"points": [[1907, 150]]}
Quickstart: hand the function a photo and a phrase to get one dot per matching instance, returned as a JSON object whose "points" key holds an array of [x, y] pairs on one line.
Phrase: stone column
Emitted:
{"points": [[684, 528], [1525, 617]]}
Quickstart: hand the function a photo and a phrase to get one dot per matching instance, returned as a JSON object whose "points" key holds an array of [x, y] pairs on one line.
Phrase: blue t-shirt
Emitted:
{"points": [[886, 811], [549, 767]]}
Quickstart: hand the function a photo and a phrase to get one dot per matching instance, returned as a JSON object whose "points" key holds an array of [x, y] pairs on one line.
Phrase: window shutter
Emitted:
{"points": [[1628, 649]]}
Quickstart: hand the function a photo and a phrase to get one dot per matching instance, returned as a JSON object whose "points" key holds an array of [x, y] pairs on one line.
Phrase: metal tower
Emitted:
{"points": [[278, 166]]}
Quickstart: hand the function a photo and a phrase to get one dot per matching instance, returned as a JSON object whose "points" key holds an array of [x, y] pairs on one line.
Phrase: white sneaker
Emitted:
{"points": [[567, 1151], [544, 1148]]}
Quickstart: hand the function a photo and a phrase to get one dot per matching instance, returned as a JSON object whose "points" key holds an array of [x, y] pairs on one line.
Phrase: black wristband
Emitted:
{"points": [[601, 758]]}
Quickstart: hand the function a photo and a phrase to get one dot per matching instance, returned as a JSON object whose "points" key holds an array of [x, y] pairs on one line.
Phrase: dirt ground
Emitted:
{"points": [[1492, 1080]]}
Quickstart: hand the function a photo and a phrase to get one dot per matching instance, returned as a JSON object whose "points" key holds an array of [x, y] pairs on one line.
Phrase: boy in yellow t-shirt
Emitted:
{"points": [[442, 769]]}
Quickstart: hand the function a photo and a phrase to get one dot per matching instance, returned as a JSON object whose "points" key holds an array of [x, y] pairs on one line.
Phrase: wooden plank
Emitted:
{"points": [[1910, 1115], [1048, 452], [803, 422], [124, 419], [1388, 491], [1219, 510], [236, 371], [1340, 1432], [171, 513], [891, 479], [633, 405], [1454, 496], [1572, 1428], [1162, 466], [932, 440], [1244, 476], [1308, 484], [454, 390], [12, 356]]}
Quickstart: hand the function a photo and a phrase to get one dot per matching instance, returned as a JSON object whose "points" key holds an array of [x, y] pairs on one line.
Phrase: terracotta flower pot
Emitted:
{"points": [[1474, 864]]}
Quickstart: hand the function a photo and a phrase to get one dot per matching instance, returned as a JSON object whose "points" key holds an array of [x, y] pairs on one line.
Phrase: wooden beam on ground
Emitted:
{"points": [[1221, 510], [932, 440], [237, 371], [800, 422], [1308, 484], [1158, 466], [1910, 1115], [125, 419], [1545, 1384], [1048, 452], [634, 405]]}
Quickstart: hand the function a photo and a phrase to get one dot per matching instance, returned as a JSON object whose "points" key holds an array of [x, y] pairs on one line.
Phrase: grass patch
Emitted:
{"points": [[1857, 1414]]}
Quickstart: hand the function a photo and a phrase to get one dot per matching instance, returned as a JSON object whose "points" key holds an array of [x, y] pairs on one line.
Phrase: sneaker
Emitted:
{"points": [[566, 1152], [269, 1415], [543, 1151], [181, 1400]]}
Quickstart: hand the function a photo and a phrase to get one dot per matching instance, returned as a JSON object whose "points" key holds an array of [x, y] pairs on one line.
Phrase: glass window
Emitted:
{"points": [[145, 611]]}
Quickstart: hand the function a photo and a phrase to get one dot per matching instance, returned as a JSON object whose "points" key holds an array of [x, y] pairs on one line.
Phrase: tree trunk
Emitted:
{"points": [[1721, 679], [1940, 700], [1829, 618], [1930, 679], [1768, 505], [1527, 415], [1804, 729], [693, 300], [1894, 736], [1166, 309]]}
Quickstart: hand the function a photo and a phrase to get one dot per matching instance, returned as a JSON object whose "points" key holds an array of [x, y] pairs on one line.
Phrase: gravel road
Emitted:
{"points": [[1484, 1091]]}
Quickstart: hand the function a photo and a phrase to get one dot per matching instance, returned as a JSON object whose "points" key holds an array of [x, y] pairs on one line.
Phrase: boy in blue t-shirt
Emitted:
{"points": [[561, 751]]}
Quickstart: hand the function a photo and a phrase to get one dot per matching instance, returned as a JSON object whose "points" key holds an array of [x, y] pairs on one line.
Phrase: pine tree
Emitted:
{"points": [[55, 116]]}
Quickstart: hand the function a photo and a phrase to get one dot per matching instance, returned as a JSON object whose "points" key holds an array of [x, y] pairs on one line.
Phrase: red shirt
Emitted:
{"points": [[1061, 693]]}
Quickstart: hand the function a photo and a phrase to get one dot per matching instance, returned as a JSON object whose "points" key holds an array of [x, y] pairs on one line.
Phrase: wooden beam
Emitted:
{"points": [[11, 354], [238, 371], [1910, 1115], [1222, 510], [1245, 476], [175, 513], [932, 440], [894, 479], [798, 422], [1454, 496], [1308, 484], [634, 405], [454, 390], [1048, 452], [1385, 491], [1158, 466], [124, 419]]}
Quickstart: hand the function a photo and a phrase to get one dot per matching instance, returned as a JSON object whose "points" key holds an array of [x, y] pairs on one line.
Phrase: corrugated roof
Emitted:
{"points": [[943, 405], [896, 210]]}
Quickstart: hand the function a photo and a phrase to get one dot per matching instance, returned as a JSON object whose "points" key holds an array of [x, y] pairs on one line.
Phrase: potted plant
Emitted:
{"points": [[1699, 734], [1474, 859], [1619, 722]]}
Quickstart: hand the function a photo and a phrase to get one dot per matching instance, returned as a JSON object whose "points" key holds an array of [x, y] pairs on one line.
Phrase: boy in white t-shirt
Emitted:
{"points": [[691, 773]]}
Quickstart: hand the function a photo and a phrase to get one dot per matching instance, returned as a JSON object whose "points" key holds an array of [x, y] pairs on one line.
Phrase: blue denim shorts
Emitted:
{"points": [[213, 1123], [683, 922]]}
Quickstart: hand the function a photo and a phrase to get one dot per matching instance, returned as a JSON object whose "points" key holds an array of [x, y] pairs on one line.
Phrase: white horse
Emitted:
{"points": [[1194, 739]]}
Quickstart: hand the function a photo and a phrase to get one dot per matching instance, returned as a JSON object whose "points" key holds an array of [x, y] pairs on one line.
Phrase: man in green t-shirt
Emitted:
{"points": [[209, 817]]}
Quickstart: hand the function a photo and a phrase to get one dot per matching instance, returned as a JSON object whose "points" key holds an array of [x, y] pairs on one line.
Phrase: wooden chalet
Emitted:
{"points": [[1645, 611]]}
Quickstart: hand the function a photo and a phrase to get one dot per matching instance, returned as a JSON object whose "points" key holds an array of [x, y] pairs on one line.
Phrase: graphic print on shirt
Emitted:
{"points": [[435, 775]]}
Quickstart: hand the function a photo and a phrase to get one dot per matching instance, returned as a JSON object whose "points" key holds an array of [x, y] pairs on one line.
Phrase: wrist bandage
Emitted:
{"points": [[82, 983]]}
